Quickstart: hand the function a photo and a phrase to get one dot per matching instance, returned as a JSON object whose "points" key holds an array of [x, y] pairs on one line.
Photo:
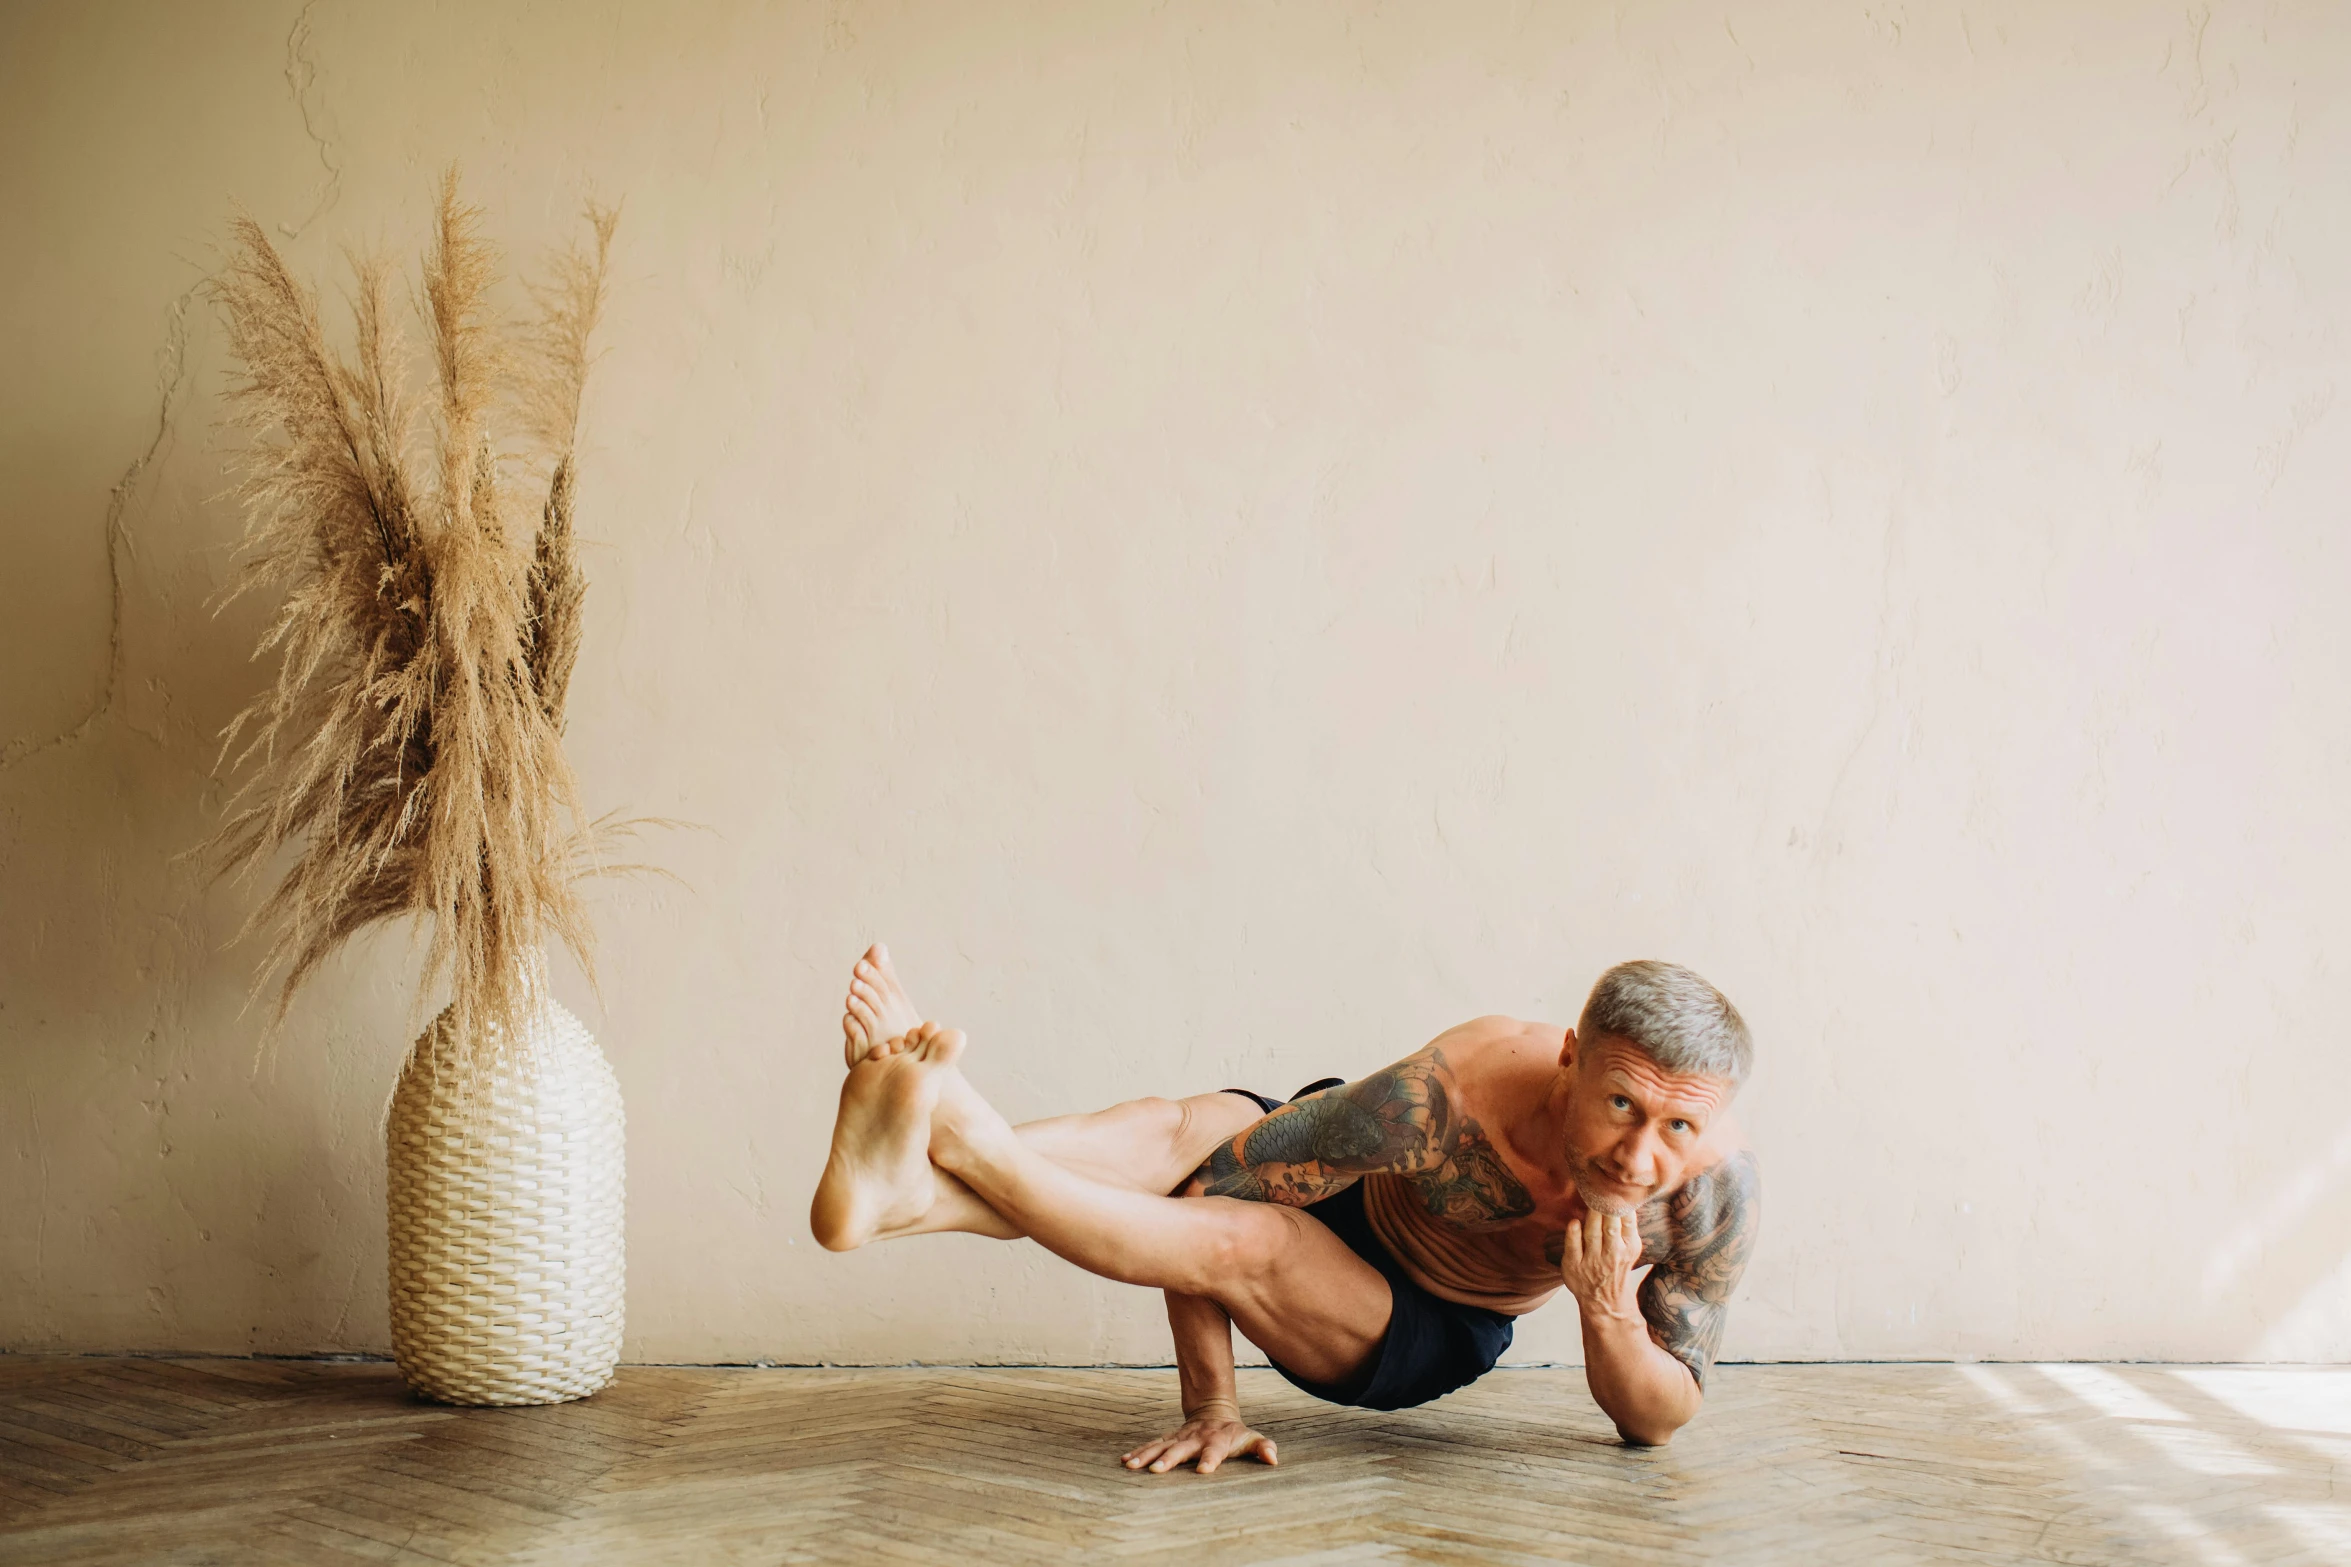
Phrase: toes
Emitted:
{"points": [[943, 1045], [874, 1039], [856, 1040]]}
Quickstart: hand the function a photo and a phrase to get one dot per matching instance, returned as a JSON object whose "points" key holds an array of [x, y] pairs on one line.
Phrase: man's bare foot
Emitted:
{"points": [[878, 1175], [879, 1012]]}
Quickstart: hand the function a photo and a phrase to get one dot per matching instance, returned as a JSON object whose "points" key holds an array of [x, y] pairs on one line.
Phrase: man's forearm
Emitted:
{"points": [[1212, 1430], [1203, 1352], [1647, 1392]]}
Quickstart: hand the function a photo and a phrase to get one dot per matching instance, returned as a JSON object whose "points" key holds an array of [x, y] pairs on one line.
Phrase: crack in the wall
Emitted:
{"points": [[301, 77], [171, 371]]}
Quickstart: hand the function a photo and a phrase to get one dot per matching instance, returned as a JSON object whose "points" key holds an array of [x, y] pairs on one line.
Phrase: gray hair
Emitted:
{"points": [[1671, 1016]]}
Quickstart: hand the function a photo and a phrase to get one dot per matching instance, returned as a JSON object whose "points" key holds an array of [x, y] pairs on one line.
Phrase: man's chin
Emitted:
{"points": [[1611, 1199]]}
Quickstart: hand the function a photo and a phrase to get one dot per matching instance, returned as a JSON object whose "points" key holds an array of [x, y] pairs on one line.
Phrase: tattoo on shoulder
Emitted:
{"points": [[1699, 1237], [1402, 1120]]}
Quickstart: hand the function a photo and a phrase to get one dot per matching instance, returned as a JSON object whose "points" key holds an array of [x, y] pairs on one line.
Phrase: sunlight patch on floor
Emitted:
{"points": [[2284, 1398]]}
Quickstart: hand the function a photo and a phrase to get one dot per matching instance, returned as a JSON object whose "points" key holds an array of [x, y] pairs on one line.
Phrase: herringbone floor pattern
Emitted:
{"points": [[227, 1461]]}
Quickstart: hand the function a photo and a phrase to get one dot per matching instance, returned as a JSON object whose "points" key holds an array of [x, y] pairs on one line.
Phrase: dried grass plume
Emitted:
{"points": [[410, 751]]}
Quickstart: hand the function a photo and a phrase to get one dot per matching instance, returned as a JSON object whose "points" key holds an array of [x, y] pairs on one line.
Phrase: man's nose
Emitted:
{"points": [[1636, 1158]]}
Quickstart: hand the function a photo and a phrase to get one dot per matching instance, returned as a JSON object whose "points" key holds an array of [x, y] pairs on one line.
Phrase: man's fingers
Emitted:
{"points": [[1250, 1445], [1148, 1451], [1174, 1453], [1206, 1451]]}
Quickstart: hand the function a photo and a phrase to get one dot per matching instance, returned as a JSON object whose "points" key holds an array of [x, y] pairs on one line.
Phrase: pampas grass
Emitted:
{"points": [[410, 751]]}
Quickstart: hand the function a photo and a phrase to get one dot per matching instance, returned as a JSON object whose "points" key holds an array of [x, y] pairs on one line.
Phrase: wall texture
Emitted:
{"points": [[1236, 537]]}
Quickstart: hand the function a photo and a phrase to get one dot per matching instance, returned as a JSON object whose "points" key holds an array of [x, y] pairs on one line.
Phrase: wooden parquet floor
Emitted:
{"points": [[254, 1462]]}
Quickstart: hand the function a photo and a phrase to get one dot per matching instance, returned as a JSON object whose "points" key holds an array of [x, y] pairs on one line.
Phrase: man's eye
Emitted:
{"points": [[1620, 1102], [1681, 1126]]}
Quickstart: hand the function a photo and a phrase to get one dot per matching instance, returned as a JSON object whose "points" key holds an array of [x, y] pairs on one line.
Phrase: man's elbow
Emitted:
{"points": [[1655, 1428], [1647, 1434]]}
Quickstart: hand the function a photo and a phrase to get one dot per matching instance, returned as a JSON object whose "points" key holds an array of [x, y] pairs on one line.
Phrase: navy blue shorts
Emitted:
{"points": [[1432, 1345]]}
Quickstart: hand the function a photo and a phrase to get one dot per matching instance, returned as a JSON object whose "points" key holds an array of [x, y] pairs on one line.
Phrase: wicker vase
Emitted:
{"points": [[504, 1183]]}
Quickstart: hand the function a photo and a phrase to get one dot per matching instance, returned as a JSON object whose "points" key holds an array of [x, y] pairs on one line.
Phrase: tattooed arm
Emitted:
{"points": [[1325, 1142], [1705, 1233], [1647, 1349], [1403, 1120]]}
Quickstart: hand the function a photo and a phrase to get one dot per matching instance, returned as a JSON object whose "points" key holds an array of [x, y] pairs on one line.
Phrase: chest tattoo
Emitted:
{"points": [[1472, 1187]]}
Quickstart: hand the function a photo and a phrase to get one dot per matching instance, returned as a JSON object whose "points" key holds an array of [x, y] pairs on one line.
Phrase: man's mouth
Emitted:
{"points": [[1609, 1184]]}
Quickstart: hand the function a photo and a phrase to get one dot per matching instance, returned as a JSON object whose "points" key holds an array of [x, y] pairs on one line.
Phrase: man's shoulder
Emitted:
{"points": [[1496, 1034], [1710, 1217], [1503, 1066]]}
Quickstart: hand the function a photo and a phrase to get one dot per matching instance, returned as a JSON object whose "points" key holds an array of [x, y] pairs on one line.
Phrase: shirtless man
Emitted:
{"points": [[1374, 1238]]}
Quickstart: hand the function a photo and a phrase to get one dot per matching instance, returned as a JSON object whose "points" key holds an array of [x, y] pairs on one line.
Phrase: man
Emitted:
{"points": [[1374, 1238]]}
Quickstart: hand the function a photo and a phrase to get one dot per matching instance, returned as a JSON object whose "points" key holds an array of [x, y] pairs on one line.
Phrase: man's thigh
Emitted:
{"points": [[1300, 1293], [1144, 1145]]}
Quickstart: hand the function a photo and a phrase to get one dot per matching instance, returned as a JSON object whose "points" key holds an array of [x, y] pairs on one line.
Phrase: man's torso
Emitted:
{"points": [[1484, 1225]]}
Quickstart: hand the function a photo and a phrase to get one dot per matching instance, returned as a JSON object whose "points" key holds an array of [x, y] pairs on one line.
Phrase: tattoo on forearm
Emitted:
{"points": [[1401, 1120], [1699, 1237]]}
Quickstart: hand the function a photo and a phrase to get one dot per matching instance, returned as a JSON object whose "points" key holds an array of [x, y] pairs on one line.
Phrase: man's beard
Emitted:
{"points": [[1587, 1181]]}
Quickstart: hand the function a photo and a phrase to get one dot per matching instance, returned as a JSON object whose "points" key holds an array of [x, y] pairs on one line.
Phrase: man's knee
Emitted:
{"points": [[1162, 1116], [1181, 1133], [1153, 1123], [1253, 1243]]}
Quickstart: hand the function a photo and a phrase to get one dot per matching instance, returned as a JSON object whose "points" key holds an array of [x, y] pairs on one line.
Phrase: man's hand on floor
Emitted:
{"points": [[1211, 1434]]}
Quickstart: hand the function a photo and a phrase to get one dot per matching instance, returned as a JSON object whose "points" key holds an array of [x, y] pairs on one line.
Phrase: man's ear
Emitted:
{"points": [[1567, 1052]]}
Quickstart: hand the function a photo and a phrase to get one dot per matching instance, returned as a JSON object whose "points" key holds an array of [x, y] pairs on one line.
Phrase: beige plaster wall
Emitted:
{"points": [[1237, 536]]}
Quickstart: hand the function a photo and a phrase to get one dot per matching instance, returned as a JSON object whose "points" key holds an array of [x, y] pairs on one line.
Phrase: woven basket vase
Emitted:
{"points": [[504, 1180]]}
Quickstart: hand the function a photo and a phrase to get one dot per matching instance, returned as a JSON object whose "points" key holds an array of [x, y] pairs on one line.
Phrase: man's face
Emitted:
{"points": [[1634, 1130]]}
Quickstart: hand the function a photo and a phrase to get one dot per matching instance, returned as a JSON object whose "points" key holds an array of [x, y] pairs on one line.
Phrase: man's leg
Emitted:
{"points": [[1290, 1285], [878, 1184], [1143, 1145]]}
